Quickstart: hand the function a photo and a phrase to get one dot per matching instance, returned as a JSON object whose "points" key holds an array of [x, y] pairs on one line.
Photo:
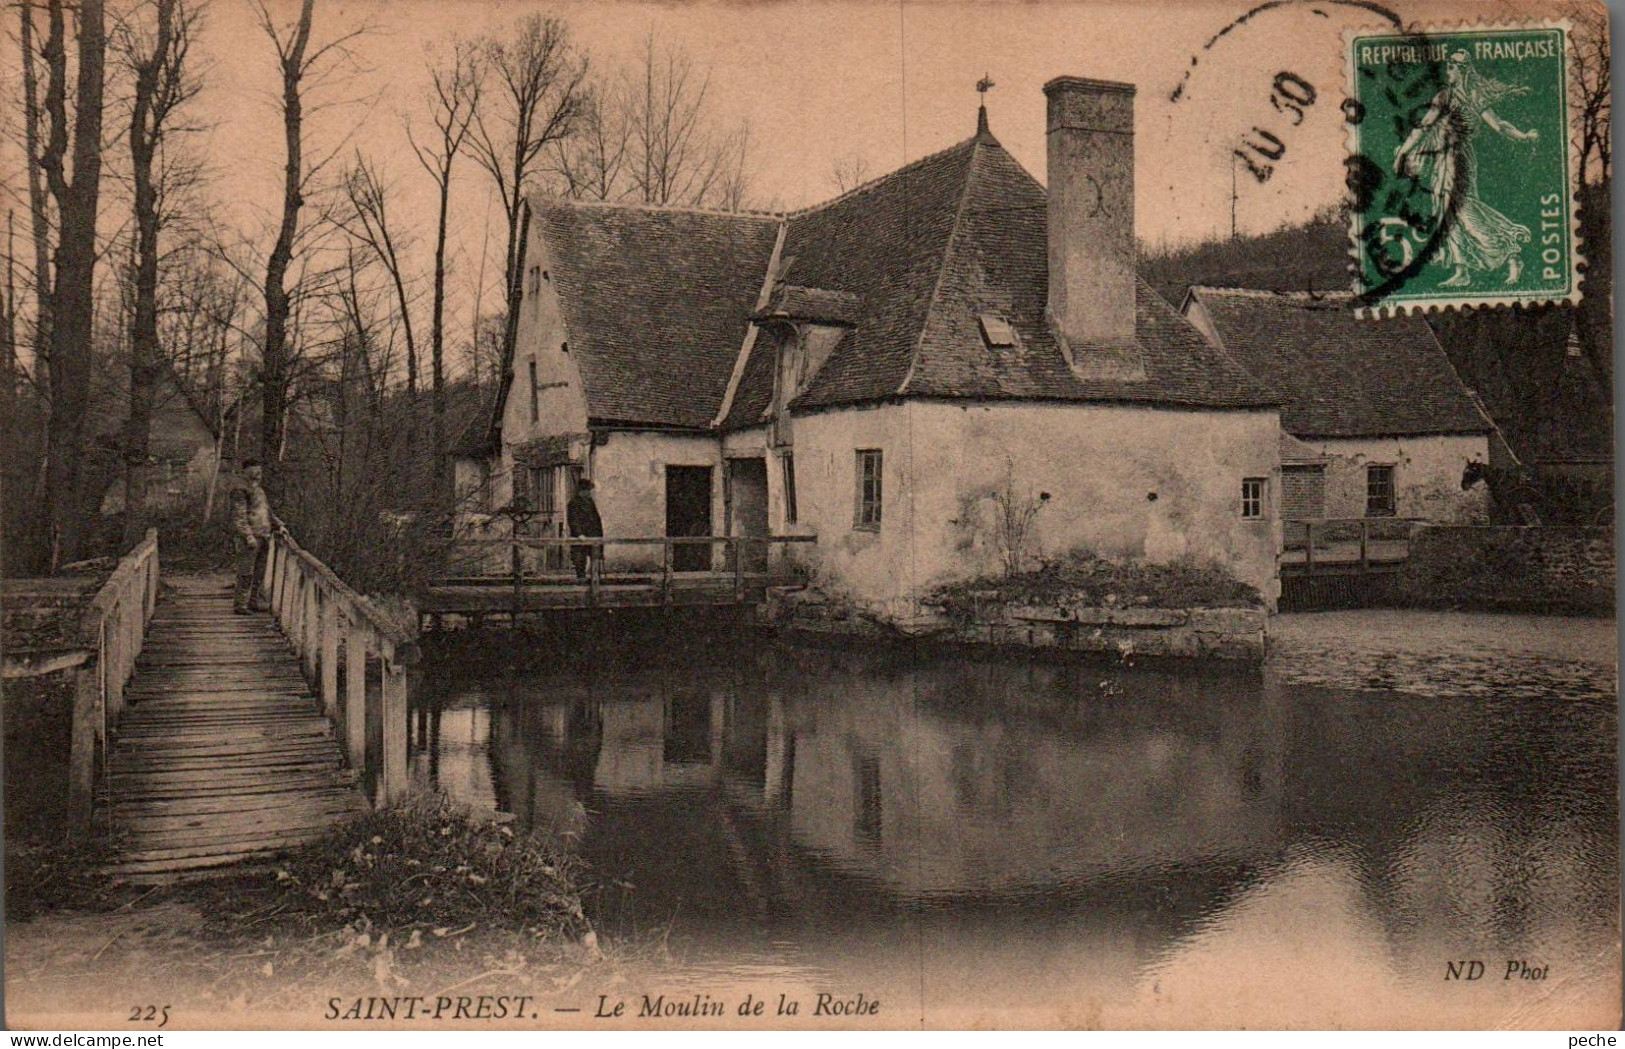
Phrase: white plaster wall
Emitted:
{"points": [[629, 485], [1427, 476], [541, 335], [1099, 463], [871, 566]]}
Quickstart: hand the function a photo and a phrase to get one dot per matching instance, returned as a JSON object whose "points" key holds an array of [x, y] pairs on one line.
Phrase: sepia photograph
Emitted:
{"points": [[636, 515]]}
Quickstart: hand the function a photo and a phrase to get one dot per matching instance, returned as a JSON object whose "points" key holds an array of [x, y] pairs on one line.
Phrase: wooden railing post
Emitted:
{"points": [[593, 569], [1365, 554], [665, 572], [516, 566], [310, 635], [273, 567], [392, 781], [739, 567], [330, 656], [355, 692], [82, 745], [1309, 546]]}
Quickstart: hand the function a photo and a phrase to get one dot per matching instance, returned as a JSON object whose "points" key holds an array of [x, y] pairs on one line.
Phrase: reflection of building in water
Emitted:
{"points": [[917, 781], [955, 778]]}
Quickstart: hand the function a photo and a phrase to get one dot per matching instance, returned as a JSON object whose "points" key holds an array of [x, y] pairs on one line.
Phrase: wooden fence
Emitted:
{"points": [[110, 633], [746, 562], [320, 616]]}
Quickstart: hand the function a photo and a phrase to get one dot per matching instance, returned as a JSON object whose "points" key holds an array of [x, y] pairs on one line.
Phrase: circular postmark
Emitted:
{"points": [[1398, 223]]}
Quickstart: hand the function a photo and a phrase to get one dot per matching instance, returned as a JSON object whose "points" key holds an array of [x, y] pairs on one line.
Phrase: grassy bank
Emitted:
{"points": [[411, 901]]}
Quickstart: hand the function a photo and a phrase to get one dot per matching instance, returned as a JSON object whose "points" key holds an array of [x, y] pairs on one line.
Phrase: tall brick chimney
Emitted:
{"points": [[1092, 253]]}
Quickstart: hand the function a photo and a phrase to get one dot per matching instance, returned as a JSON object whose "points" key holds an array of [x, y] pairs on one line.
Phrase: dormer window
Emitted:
{"points": [[996, 330]]}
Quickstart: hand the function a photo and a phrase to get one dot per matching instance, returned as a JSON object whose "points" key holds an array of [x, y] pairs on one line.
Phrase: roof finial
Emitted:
{"points": [[982, 87]]}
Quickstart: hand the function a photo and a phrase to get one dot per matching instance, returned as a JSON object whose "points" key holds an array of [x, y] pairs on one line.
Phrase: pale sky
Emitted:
{"points": [[821, 80]]}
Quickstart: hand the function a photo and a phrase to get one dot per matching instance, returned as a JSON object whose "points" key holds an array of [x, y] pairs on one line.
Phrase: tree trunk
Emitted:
{"points": [[276, 369], [437, 338], [73, 301], [145, 127], [38, 205]]}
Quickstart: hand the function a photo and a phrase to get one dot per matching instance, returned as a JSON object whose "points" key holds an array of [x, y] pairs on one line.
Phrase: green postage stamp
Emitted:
{"points": [[1460, 167]]}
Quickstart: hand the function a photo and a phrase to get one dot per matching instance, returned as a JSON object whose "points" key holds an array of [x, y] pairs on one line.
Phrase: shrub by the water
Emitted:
{"points": [[428, 866], [1083, 578]]}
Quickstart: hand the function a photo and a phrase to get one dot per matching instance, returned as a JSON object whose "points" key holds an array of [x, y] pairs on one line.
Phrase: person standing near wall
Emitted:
{"points": [[583, 519], [251, 523]]}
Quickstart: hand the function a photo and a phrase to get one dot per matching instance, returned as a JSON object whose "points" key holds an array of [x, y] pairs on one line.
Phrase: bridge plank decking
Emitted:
{"points": [[223, 755]]}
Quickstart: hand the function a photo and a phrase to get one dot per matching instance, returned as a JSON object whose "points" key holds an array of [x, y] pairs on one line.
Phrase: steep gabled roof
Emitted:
{"points": [[998, 262], [655, 301], [1338, 376]]}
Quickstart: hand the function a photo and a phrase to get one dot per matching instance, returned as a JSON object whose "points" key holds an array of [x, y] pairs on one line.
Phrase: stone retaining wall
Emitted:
{"points": [[1232, 634], [1534, 568]]}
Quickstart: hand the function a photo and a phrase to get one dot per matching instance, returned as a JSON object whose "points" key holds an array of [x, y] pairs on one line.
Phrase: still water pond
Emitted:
{"points": [[969, 838]]}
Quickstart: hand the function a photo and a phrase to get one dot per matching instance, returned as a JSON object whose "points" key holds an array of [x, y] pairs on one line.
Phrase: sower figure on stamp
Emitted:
{"points": [[251, 526], [583, 519], [1440, 149]]}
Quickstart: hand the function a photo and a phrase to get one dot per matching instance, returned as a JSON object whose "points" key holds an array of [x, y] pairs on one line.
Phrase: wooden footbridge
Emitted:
{"points": [[510, 577], [203, 740], [1341, 562]]}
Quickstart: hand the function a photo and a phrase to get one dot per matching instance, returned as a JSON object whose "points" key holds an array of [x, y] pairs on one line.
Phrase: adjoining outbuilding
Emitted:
{"points": [[1377, 424]]}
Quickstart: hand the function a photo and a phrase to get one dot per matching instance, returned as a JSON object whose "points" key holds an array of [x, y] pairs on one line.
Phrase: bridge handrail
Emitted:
{"points": [[610, 540], [112, 630], [315, 610]]}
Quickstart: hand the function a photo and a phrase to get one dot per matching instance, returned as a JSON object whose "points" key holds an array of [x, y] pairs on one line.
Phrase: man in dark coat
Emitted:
{"points": [[583, 519], [251, 533]]}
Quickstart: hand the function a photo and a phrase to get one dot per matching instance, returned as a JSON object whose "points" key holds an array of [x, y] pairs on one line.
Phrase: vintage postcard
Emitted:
{"points": [[823, 515]]}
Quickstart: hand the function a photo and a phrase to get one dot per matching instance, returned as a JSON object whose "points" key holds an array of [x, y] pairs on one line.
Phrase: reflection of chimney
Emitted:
{"points": [[1092, 254]]}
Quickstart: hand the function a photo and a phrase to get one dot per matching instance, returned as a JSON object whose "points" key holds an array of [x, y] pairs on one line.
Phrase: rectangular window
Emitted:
{"points": [[1379, 491], [869, 493], [544, 485], [1253, 491], [535, 393], [789, 462]]}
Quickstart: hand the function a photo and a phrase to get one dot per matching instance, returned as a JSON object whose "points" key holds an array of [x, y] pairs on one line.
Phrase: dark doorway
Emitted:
{"points": [[688, 512], [747, 508]]}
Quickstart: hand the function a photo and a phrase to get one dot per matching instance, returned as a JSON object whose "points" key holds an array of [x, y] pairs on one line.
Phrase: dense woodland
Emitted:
{"points": [[329, 336], [334, 335]]}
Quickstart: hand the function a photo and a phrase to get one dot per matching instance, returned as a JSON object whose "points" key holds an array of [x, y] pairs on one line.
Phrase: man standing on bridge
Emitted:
{"points": [[251, 521], [583, 519]]}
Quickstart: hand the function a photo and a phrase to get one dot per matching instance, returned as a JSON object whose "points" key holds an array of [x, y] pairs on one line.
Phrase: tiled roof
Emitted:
{"points": [[656, 302], [1338, 376], [998, 262]]}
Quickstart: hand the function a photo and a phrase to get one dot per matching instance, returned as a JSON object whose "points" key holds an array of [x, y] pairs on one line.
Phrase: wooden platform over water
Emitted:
{"points": [[223, 754]]}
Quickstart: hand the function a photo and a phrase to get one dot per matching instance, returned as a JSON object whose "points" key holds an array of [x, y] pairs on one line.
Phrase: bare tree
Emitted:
{"points": [[675, 156], [8, 325], [1593, 82], [299, 65], [533, 97], [849, 172], [39, 205], [367, 221], [454, 97], [73, 290], [162, 85], [591, 163]]}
